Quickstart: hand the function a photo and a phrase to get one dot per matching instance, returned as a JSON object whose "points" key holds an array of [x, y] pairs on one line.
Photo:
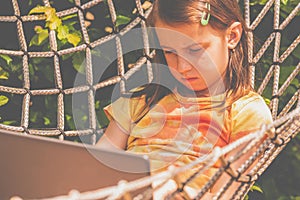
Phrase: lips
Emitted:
{"points": [[190, 78]]}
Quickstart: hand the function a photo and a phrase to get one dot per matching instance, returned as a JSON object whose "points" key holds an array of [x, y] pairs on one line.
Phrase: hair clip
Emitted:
{"points": [[204, 21]]}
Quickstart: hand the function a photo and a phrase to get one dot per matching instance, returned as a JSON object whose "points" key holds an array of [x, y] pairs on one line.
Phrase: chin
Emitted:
{"points": [[195, 88], [190, 89]]}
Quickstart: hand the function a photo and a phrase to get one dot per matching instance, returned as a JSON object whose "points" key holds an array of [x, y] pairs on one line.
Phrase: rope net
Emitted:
{"points": [[284, 128]]}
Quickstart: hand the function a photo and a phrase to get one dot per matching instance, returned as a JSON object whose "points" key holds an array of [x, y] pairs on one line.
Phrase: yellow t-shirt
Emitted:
{"points": [[177, 130]]}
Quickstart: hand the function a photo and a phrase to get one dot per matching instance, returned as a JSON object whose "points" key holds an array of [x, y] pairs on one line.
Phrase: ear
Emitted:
{"points": [[234, 34]]}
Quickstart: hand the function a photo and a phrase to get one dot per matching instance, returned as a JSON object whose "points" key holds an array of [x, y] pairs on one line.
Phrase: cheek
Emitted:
{"points": [[213, 60], [222, 58], [171, 60], [205, 63], [222, 61]]}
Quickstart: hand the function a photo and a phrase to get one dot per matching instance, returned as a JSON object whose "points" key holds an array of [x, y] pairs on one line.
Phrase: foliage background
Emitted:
{"points": [[280, 181]]}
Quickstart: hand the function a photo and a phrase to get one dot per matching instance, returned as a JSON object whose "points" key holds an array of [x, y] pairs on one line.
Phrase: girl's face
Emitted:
{"points": [[196, 55]]}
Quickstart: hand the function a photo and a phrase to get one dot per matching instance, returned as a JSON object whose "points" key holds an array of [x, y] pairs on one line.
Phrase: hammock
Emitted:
{"points": [[286, 122]]}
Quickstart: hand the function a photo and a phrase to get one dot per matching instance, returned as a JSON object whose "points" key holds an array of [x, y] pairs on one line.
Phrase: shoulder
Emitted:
{"points": [[251, 106], [124, 111], [248, 114], [249, 100], [127, 105]]}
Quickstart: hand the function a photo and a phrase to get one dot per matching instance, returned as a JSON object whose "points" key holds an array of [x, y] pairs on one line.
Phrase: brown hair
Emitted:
{"points": [[222, 14]]}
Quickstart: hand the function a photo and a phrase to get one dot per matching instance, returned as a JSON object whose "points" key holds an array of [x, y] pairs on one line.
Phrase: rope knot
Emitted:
{"points": [[277, 30], [25, 53], [276, 63], [91, 88], [147, 56], [25, 130], [28, 91], [55, 53], [142, 17], [61, 91], [19, 18], [88, 45], [79, 8], [62, 132]]}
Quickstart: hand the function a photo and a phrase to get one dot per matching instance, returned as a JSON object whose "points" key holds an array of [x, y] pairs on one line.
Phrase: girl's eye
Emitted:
{"points": [[195, 50], [169, 52]]}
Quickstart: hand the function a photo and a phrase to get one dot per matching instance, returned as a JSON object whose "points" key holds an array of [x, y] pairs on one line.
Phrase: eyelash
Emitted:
{"points": [[195, 50], [169, 52], [190, 51]]}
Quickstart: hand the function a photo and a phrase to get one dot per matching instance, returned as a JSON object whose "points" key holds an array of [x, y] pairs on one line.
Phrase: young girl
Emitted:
{"points": [[211, 102]]}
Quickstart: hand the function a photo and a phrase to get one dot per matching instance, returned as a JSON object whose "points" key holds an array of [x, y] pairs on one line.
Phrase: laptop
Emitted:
{"points": [[33, 167]]}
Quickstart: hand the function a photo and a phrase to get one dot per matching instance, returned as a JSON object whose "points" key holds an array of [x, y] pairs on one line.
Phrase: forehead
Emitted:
{"points": [[182, 35]]}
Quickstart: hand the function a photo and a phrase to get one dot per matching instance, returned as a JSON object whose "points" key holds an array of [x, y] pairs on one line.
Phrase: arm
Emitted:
{"points": [[117, 132], [114, 138]]}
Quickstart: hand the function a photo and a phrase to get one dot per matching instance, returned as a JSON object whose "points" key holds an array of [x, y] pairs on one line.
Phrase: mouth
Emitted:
{"points": [[190, 78]]}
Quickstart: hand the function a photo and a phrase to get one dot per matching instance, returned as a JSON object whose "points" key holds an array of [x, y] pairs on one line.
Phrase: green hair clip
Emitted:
{"points": [[204, 21]]}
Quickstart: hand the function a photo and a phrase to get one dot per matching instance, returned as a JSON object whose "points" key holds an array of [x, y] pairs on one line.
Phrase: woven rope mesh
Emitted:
{"points": [[62, 89], [57, 96]]}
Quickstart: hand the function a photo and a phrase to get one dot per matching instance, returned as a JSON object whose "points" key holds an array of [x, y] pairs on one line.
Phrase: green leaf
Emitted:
{"points": [[63, 42], [3, 100], [31, 69], [38, 10], [34, 40], [84, 118], [256, 188], [33, 116], [68, 117], [37, 61], [46, 121], [74, 39], [71, 26], [69, 17], [62, 32], [77, 61], [6, 58], [70, 122], [66, 56], [263, 2], [121, 19], [296, 52], [38, 29], [3, 76], [97, 104], [42, 36], [48, 73], [50, 14], [284, 2], [54, 23], [9, 122], [267, 101], [103, 121]]}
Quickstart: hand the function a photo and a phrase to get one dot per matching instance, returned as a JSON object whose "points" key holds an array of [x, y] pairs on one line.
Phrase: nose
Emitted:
{"points": [[183, 65]]}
